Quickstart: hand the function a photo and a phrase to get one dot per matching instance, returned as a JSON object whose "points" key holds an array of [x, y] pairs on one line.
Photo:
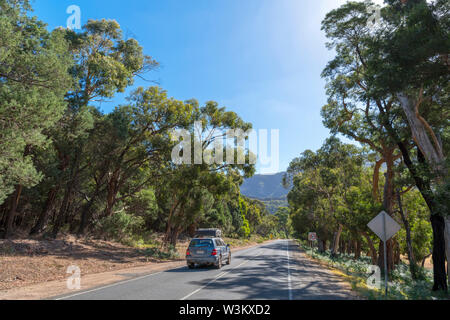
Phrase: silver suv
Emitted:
{"points": [[208, 251]]}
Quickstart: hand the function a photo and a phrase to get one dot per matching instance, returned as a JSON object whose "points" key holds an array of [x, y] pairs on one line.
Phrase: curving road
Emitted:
{"points": [[274, 271]]}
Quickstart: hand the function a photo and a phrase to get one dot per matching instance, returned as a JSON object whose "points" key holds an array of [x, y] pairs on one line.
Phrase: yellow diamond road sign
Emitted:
{"points": [[384, 229]]}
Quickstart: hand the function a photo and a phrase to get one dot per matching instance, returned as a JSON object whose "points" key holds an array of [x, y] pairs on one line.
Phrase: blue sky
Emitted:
{"points": [[259, 58]]}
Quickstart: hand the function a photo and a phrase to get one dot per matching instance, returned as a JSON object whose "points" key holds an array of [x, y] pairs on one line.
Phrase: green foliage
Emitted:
{"points": [[273, 205], [157, 253], [245, 228], [388, 89], [401, 284], [330, 188], [34, 79], [121, 226], [421, 233]]}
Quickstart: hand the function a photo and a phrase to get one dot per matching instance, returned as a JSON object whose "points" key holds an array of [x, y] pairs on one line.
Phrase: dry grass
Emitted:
{"points": [[26, 262]]}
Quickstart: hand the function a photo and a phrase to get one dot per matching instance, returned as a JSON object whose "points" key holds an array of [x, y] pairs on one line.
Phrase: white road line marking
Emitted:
{"points": [[112, 285], [289, 272], [213, 280], [143, 277]]}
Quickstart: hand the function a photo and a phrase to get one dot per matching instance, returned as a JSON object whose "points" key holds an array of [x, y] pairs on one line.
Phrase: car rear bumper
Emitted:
{"points": [[202, 260]]}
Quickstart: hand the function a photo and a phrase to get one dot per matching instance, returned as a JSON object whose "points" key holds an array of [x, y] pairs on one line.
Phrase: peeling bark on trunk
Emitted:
{"points": [[420, 134], [425, 189]]}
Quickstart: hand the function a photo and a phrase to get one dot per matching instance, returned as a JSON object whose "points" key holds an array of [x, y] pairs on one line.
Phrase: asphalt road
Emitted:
{"points": [[274, 271]]}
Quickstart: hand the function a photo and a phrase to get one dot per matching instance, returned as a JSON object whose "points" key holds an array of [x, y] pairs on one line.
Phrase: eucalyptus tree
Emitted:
{"points": [[408, 63], [351, 109], [104, 63], [206, 173], [33, 81], [408, 60], [321, 187], [132, 146], [371, 66]]}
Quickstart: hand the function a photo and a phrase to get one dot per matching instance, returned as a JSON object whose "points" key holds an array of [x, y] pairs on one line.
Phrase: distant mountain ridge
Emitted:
{"points": [[265, 187]]}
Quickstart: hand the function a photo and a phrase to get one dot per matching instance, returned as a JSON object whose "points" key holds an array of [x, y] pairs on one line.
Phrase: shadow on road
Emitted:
{"points": [[265, 277]]}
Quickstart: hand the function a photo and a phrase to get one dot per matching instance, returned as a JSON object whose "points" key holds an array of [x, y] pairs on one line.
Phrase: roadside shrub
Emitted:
{"points": [[157, 253], [121, 227], [401, 285]]}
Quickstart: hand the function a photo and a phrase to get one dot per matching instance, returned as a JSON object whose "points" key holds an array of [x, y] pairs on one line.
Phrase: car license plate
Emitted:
{"points": [[200, 251]]}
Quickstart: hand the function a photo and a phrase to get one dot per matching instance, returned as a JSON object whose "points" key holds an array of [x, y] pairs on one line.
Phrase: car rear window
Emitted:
{"points": [[201, 243]]}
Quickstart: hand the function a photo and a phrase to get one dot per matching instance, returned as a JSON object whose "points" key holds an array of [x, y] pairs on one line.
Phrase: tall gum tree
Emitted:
{"points": [[34, 66], [350, 110], [409, 62], [209, 124], [382, 77], [104, 63]]}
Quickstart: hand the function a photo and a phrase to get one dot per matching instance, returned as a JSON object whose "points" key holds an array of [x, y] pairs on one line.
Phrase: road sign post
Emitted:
{"points": [[385, 228], [385, 256], [312, 236]]}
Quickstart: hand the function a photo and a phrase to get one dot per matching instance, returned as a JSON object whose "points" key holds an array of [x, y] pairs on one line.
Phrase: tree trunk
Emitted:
{"points": [[373, 250], [425, 260], [420, 134], [336, 240], [43, 217], [439, 248], [192, 229], [396, 252], [113, 189], [424, 187], [440, 276], [174, 236], [342, 244], [357, 249], [62, 211], [321, 246], [12, 211], [447, 245], [350, 247], [85, 217], [390, 255], [411, 258], [388, 203], [169, 222]]}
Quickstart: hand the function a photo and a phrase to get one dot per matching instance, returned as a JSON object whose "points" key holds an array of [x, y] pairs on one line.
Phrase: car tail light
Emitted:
{"points": [[188, 252], [214, 252]]}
